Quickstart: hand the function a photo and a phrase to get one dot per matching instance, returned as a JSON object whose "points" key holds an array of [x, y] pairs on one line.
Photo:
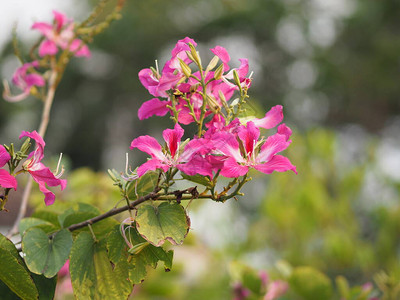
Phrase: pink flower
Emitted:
{"points": [[157, 84], [265, 160], [24, 81], [189, 161], [60, 34], [39, 172], [6, 180]]}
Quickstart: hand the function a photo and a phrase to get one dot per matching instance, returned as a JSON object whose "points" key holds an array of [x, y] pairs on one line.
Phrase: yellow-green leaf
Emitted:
{"points": [[16, 277], [167, 221]]}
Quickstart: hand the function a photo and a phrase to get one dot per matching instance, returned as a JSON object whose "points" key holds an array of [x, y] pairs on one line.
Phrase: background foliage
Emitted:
{"points": [[334, 65]]}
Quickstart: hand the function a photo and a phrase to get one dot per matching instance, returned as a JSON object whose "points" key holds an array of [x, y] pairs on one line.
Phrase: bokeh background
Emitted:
{"points": [[335, 67]]}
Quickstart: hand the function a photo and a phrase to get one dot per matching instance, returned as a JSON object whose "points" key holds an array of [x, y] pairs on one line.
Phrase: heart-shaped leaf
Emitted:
{"points": [[46, 255], [167, 221]]}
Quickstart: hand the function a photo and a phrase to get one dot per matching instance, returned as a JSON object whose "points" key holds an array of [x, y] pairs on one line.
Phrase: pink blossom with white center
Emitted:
{"points": [[24, 80], [60, 34], [39, 172], [265, 160], [6, 180], [188, 161]]}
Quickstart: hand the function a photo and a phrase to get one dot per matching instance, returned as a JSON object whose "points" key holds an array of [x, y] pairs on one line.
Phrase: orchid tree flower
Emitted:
{"points": [[39, 172], [189, 161], [6, 180], [24, 80], [60, 34], [265, 160]]}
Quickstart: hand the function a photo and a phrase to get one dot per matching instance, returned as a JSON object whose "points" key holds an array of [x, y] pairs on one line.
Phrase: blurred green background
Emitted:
{"points": [[335, 67]]}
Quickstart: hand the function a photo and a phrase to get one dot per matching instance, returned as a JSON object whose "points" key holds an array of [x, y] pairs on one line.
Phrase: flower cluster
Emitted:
{"points": [[225, 144], [58, 35]]}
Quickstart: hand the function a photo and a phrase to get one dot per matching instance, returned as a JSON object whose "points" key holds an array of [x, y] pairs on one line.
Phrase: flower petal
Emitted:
{"points": [[286, 131], [79, 48], [149, 81], [7, 180], [34, 79], [223, 55], [149, 145], [249, 135], [49, 196], [60, 19], [226, 143], [153, 107], [47, 47], [151, 165], [173, 138], [196, 165], [41, 173], [202, 146], [45, 28], [278, 163], [272, 118], [232, 169], [4, 156], [274, 144], [39, 142]]}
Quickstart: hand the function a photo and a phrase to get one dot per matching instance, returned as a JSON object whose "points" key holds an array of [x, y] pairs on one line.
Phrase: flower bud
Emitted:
{"points": [[185, 68], [236, 78], [212, 63], [218, 72], [25, 146], [213, 104], [195, 55]]}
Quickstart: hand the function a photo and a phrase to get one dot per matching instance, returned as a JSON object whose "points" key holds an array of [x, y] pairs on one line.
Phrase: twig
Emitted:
{"points": [[115, 211], [42, 130]]}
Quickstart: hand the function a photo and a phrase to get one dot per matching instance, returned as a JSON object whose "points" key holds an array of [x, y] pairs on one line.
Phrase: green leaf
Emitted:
{"points": [[116, 245], [92, 275], [16, 277], [6, 293], [157, 224], [46, 255], [310, 284], [45, 286], [203, 180], [82, 212], [80, 208], [47, 215], [27, 223], [143, 185], [9, 246], [148, 256]]}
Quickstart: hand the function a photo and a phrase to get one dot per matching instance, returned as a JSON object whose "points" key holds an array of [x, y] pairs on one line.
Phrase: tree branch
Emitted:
{"points": [[115, 211]]}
